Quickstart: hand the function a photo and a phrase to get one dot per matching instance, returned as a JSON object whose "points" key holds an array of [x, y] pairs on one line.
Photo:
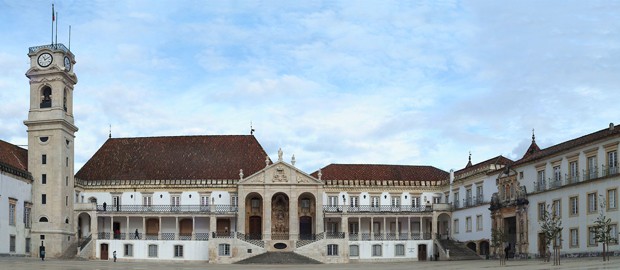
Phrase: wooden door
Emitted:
{"points": [[542, 248], [256, 225], [305, 227], [104, 252], [421, 252]]}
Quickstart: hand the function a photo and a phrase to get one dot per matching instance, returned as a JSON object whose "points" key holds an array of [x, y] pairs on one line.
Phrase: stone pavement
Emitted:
{"points": [[17, 263]]}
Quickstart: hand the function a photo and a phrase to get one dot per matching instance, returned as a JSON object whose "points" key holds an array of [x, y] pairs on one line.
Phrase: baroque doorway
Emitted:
{"points": [[279, 217]]}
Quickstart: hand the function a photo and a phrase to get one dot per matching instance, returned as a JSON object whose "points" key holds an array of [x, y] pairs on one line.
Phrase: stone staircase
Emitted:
{"points": [[70, 252], [279, 258], [458, 251]]}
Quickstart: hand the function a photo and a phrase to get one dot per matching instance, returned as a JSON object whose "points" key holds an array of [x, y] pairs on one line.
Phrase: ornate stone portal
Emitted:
{"points": [[280, 216]]}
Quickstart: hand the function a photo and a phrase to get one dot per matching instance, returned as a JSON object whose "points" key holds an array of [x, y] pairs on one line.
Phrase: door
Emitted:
{"points": [[421, 252], [305, 228], [104, 252], [256, 227], [542, 248], [117, 230]]}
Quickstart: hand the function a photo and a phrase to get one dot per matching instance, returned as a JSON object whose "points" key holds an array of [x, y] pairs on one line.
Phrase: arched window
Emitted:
{"points": [[43, 219], [46, 97]]}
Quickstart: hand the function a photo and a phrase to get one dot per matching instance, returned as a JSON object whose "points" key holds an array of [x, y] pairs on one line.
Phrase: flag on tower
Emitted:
{"points": [[53, 16]]}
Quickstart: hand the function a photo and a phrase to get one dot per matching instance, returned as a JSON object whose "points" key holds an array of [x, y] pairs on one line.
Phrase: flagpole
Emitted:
{"points": [[56, 28], [53, 24]]}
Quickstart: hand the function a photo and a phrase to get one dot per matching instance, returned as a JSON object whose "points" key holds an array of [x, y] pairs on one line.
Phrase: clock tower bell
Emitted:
{"points": [[51, 137]]}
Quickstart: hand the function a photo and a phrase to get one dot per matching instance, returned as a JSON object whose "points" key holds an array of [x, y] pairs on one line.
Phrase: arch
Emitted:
{"points": [[484, 247], [46, 97], [92, 200], [443, 225], [280, 216], [472, 246], [43, 219], [254, 215], [307, 215], [83, 227]]}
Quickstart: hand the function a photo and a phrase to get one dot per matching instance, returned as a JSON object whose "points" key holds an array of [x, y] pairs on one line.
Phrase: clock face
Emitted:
{"points": [[67, 63], [45, 59]]}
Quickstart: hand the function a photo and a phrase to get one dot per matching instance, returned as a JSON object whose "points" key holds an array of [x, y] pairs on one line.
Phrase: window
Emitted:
{"points": [[541, 185], [44, 159], [415, 202], [178, 251], [612, 162], [574, 171], [592, 236], [12, 244], [541, 210], [479, 223], [592, 168], [128, 251], [12, 208], [332, 250], [479, 194], [234, 200], [175, 200], [66, 181], [66, 200], [436, 200], [557, 208], [204, 200], [468, 195], [456, 199], [354, 227], [43, 219], [376, 250], [116, 202], [152, 251], [456, 226], [255, 204], [354, 201], [305, 203], [43, 179], [468, 224], [521, 175], [557, 173], [147, 200], [332, 201], [399, 250], [354, 251], [27, 245], [43, 199], [592, 203], [223, 250], [374, 201], [395, 201], [66, 162], [574, 206], [613, 232], [612, 198]]}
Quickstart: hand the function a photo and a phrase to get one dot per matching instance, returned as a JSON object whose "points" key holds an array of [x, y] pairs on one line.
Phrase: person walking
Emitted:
{"points": [[114, 255]]}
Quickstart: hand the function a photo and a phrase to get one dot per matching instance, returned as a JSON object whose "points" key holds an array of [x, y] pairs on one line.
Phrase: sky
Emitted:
{"points": [[365, 82]]}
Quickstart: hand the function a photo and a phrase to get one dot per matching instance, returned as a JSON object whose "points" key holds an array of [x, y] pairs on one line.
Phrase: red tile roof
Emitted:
{"points": [[381, 172], [13, 155], [182, 157], [612, 131], [498, 160]]}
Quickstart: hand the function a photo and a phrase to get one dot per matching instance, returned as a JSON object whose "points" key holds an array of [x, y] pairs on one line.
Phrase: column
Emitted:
{"points": [[176, 228], [397, 231], [143, 229], [372, 233], [343, 226], [267, 216], [193, 228], [409, 227], [420, 229], [127, 231], [293, 216], [159, 231], [212, 226], [384, 233], [112, 227]]}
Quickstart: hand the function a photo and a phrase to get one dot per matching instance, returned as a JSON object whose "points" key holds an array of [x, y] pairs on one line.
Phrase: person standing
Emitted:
{"points": [[137, 234], [114, 255]]}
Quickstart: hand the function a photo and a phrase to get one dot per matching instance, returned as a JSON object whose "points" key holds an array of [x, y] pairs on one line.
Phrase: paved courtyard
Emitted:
{"points": [[14, 263]]}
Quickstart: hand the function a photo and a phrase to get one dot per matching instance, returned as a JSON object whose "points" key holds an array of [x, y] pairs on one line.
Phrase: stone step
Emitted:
{"points": [[279, 258]]}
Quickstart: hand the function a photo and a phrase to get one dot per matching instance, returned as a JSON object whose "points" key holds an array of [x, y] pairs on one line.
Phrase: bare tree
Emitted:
{"points": [[498, 237], [551, 226], [602, 229]]}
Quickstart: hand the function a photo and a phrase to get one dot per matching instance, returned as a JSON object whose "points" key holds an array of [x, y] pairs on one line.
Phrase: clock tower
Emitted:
{"points": [[50, 147]]}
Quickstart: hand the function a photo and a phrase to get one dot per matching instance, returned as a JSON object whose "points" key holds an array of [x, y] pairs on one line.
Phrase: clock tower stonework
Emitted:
{"points": [[51, 137]]}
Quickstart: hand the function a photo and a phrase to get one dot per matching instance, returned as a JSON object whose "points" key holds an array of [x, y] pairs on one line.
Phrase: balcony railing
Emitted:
{"points": [[571, 179], [469, 202], [153, 236], [334, 235], [377, 209], [129, 208]]}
